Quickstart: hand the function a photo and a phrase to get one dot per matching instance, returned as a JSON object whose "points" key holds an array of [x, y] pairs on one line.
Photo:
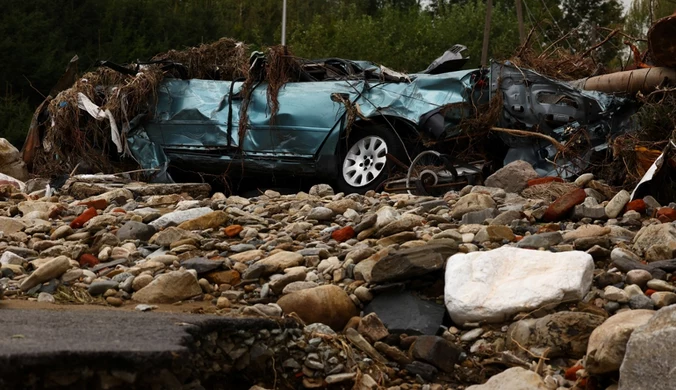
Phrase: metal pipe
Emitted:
{"points": [[631, 81], [284, 23]]}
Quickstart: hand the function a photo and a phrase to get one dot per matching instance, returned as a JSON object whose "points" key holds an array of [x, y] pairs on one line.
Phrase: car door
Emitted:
{"points": [[307, 115]]}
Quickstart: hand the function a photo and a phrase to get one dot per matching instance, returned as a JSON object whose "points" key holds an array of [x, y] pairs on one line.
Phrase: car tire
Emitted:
{"points": [[363, 164]]}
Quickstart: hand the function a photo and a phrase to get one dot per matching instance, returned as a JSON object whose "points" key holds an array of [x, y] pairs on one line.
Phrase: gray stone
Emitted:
{"points": [[513, 177], [472, 202], [404, 223], [133, 230], [565, 334], [506, 217], [321, 190], [202, 265], [413, 262], [100, 286], [479, 217], [321, 214], [402, 312], [542, 240], [650, 354], [641, 302]]}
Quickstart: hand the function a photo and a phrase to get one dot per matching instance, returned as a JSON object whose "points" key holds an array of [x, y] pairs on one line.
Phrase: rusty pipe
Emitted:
{"points": [[631, 81]]}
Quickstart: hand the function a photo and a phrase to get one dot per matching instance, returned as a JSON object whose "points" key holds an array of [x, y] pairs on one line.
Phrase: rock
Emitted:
{"points": [[178, 217], [297, 286], [660, 285], [506, 218], [426, 371], [437, 351], [478, 217], [404, 223], [663, 298], [11, 225], [210, 220], [231, 277], [321, 214], [542, 240], [201, 264], [11, 258], [172, 234], [472, 202], [639, 277], [402, 312], [586, 231], [492, 286], [295, 275], [640, 301], [340, 378], [100, 286], [223, 303], [649, 354], [280, 261], [342, 205], [613, 293], [372, 328], [655, 235], [495, 233], [515, 378], [169, 288], [50, 270], [321, 190], [564, 333], [328, 305], [44, 297], [133, 230], [617, 203], [364, 345], [61, 232], [11, 163], [584, 179], [513, 177], [413, 262]]}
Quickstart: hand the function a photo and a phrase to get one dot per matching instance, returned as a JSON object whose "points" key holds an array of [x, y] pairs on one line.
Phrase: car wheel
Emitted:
{"points": [[364, 164]]}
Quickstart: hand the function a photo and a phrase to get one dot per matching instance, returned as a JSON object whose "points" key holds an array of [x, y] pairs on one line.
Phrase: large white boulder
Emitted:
{"points": [[493, 286]]}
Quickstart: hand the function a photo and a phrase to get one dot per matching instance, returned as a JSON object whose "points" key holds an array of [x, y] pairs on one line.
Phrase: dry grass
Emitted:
{"points": [[548, 191]]}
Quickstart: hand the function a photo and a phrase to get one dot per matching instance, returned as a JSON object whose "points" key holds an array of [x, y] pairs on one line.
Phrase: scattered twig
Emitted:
{"points": [[522, 133], [526, 42]]}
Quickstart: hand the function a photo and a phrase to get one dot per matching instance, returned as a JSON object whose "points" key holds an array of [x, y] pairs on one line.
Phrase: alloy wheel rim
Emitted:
{"points": [[364, 161]]}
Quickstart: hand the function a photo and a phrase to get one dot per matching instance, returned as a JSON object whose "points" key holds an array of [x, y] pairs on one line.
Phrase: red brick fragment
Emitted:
{"points": [[562, 206], [544, 180], [666, 214], [650, 292], [571, 372], [99, 204], [637, 205], [344, 234], [83, 218], [233, 230], [87, 259]]}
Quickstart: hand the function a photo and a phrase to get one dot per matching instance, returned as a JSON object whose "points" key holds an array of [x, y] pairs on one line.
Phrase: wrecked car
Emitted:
{"points": [[355, 123]]}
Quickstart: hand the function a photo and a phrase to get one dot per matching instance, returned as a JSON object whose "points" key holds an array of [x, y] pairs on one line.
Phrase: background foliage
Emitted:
{"points": [[38, 37]]}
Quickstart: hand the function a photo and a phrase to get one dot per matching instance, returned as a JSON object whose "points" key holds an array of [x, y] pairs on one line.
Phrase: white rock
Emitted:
{"points": [[584, 179], [46, 272], [608, 342], [616, 205], [515, 378], [492, 286], [176, 217], [613, 293], [11, 258]]}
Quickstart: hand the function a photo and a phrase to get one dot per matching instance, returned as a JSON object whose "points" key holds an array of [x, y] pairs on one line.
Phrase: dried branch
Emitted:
{"points": [[522, 133]]}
